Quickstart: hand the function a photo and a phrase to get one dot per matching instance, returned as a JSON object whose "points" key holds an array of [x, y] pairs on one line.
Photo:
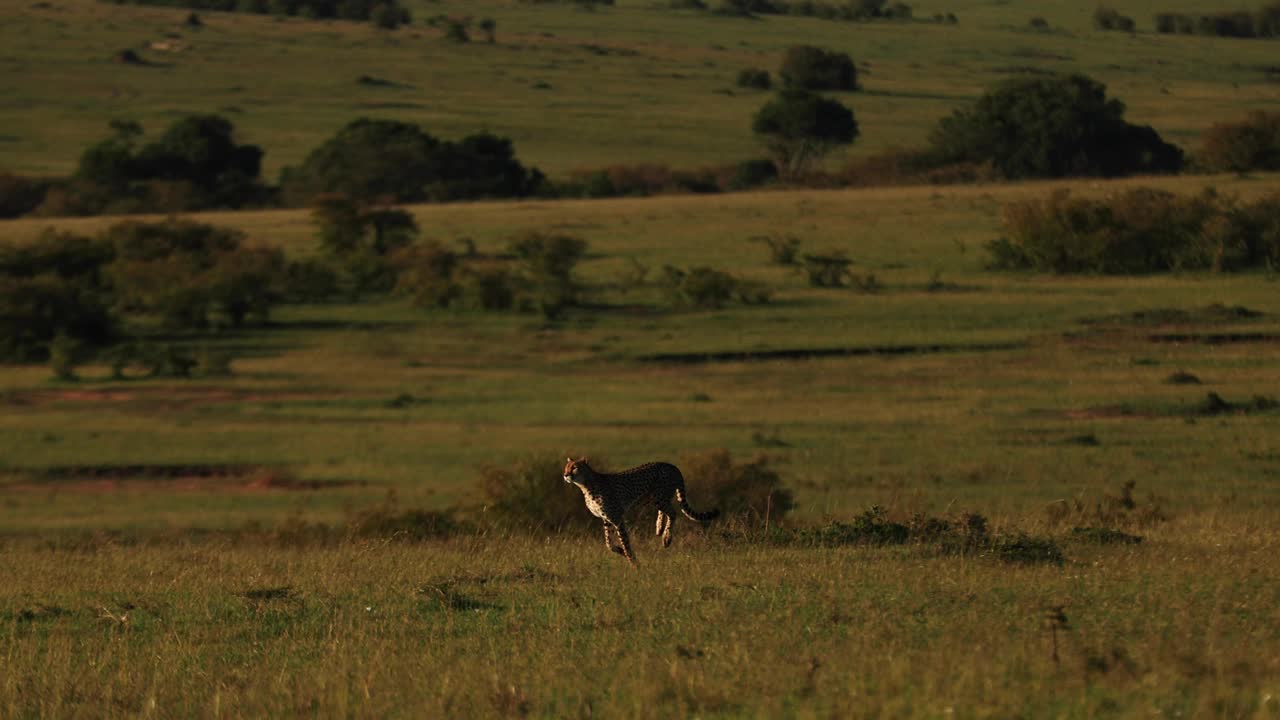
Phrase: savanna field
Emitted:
{"points": [[979, 492]]}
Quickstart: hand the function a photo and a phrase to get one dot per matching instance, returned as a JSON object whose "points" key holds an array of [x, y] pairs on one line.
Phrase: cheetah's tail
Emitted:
{"points": [[693, 514]]}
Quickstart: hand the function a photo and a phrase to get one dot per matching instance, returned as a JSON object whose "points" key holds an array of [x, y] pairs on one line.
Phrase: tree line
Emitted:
{"points": [[1042, 126], [383, 13]]}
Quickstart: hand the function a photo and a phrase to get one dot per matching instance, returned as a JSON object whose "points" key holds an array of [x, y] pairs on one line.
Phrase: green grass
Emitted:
{"points": [[661, 90], [153, 595], [1032, 400], [556, 629]]}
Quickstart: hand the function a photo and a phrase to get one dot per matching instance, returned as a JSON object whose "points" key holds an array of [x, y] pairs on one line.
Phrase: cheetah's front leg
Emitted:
{"points": [[625, 550]]}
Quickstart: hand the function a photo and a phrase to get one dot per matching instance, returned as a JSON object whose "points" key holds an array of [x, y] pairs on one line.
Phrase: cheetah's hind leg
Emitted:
{"points": [[663, 529]]}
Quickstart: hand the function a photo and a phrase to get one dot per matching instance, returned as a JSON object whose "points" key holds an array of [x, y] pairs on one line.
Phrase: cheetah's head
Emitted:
{"points": [[576, 470]]}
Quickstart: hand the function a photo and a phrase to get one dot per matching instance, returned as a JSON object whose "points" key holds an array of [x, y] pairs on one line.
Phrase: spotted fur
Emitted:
{"points": [[610, 495]]}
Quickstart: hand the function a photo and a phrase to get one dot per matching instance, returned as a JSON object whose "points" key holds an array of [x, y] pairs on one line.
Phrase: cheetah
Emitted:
{"points": [[610, 495]]}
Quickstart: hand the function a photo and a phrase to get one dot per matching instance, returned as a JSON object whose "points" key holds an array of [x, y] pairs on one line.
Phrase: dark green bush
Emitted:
{"points": [[708, 289], [754, 78], [385, 13], [806, 67], [752, 174], [53, 287], [195, 164], [1106, 18], [1051, 126], [20, 195], [378, 161]]}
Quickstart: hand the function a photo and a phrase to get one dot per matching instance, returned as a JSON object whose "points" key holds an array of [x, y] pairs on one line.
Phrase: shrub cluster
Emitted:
{"points": [[706, 288], [188, 275], [385, 13], [645, 180], [1106, 18], [967, 535], [1262, 23], [536, 275], [1051, 126], [853, 10], [1249, 144], [387, 160], [754, 78], [812, 68], [195, 164], [358, 241], [1138, 231]]}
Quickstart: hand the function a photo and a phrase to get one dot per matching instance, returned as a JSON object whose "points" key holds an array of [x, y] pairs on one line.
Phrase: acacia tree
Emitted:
{"points": [[799, 128]]}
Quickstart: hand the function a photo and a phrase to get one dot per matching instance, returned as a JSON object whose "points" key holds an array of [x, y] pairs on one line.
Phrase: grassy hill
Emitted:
{"points": [[634, 83]]}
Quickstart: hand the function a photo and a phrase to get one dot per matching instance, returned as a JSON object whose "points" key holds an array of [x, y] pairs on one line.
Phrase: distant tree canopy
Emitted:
{"points": [[1263, 23], [195, 164], [385, 13], [1053, 126], [391, 161], [811, 68], [799, 127]]}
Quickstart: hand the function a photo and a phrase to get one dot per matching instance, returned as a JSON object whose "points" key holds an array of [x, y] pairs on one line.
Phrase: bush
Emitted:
{"points": [[1138, 231], [1249, 144], [547, 269], [378, 161], [830, 270], [53, 287], [752, 173], [782, 248], [532, 495], [20, 195], [806, 67], [194, 164], [487, 286], [751, 492], [1105, 18], [1264, 23], [191, 273], [310, 281], [360, 240], [754, 78], [1053, 126], [425, 271], [708, 289]]}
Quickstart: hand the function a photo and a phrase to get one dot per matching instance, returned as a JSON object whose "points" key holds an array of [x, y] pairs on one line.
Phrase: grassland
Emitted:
{"points": [[574, 89], [159, 545], [1028, 399]]}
